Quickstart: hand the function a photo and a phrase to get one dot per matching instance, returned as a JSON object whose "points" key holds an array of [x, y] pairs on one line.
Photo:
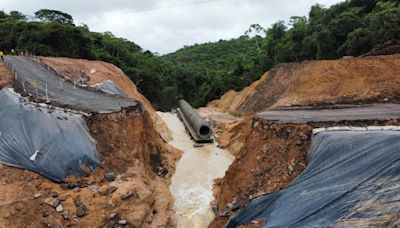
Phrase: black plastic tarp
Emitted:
{"points": [[53, 143], [109, 87], [352, 180]]}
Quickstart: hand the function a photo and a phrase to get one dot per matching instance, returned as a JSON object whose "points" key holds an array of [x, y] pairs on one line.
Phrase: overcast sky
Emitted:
{"points": [[166, 25]]}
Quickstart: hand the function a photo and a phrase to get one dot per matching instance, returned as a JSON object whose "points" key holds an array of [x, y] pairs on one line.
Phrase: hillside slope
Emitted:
{"points": [[347, 80], [99, 71], [130, 186]]}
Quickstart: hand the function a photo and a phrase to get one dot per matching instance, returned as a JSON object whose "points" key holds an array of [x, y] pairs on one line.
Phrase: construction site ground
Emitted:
{"points": [[129, 189], [268, 127]]}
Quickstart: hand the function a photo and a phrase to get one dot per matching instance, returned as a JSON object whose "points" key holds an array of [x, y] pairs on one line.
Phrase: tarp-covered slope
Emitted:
{"points": [[36, 80], [52, 143], [352, 180]]}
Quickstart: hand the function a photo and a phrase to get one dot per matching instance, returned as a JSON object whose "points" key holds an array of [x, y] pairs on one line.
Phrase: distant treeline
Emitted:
{"points": [[203, 72]]}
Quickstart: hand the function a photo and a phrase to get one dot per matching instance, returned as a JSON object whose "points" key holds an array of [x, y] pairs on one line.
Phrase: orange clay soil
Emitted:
{"points": [[342, 81], [229, 131], [6, 78], [128, 146], [95, 72]]}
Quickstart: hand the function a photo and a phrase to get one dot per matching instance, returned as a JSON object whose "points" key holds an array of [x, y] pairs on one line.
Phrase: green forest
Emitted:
{"points": [[203, 72]]}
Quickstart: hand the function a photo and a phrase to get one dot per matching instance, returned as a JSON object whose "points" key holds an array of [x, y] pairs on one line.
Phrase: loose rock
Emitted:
{"points": [[37, 195], [110, 176], [65, 215], [112, 215], [54, 194], [107, 190], [59, 208], [127, 195], [122, 222], [52, 202], [81, 210]]}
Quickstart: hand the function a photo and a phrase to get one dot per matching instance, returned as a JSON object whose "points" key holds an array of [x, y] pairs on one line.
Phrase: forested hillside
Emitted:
{"points": [[203, 72]]}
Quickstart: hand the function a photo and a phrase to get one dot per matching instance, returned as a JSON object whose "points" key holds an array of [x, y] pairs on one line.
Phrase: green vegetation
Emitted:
{"points": [[204, 72]]}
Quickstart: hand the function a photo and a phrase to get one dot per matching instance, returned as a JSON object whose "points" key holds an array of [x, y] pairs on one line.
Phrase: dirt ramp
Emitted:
{"points": [[343, 81], [95, 72]]}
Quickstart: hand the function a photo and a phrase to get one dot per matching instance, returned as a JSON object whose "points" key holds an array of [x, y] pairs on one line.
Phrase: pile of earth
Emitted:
{"points": [[318, 83]]}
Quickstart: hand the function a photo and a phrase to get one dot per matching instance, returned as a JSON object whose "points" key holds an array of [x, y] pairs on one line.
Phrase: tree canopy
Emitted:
{"points": [[47, 15], [203, 72]]}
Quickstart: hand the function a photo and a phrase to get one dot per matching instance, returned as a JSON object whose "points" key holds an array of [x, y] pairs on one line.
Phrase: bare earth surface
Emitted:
{"points": [[371, 79]]}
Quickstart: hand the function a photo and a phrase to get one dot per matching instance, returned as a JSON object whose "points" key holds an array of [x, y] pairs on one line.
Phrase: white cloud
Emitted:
{"points": [[166, 25]]}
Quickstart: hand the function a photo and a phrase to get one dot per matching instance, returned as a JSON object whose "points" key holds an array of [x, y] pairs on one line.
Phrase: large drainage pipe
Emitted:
{"points": [[202, 128]]}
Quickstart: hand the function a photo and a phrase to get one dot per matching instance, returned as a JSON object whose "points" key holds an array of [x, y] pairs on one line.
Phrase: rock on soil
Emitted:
{"points": [[59, 208], [53, 202], [110, 176]]}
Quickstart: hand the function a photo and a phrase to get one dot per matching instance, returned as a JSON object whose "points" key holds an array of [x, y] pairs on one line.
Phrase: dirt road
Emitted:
{"points": [[371, 112], [37, 80]]}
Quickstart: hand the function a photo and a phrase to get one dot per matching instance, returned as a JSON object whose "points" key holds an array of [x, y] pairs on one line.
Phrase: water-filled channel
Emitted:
{"points": [[192, 183]]}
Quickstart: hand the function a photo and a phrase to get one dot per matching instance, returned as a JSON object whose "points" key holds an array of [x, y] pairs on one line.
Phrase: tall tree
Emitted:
{"points": [[47, 15], [17, 15], [255, 30]]}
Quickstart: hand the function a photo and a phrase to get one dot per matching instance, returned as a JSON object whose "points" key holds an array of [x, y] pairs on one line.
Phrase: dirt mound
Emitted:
{"points": [[6, 77], [94, 72], [130, 148], [343, 81]]}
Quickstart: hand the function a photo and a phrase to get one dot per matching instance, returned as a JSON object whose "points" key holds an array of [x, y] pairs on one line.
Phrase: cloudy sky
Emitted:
{"points": [[166, 25]]}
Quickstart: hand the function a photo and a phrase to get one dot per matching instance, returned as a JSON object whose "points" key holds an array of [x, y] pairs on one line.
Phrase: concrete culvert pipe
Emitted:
{"points": [[202, 128]]}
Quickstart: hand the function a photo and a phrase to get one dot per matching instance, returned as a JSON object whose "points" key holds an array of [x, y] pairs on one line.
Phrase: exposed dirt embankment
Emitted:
{"points": [[229, 131], [6, 77], [273, 154], [343, 81], [130, 149], [94, 72]]}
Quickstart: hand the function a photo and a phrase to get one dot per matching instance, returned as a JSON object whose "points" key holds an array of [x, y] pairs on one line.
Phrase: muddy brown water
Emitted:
{"points": [[191, 185]]}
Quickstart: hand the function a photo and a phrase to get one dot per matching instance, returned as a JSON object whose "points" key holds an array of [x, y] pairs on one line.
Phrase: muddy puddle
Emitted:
{"points": [[192, 182]]}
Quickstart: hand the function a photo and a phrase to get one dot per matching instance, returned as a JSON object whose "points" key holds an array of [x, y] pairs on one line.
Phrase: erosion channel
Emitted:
{"points": [[192, 182]]}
